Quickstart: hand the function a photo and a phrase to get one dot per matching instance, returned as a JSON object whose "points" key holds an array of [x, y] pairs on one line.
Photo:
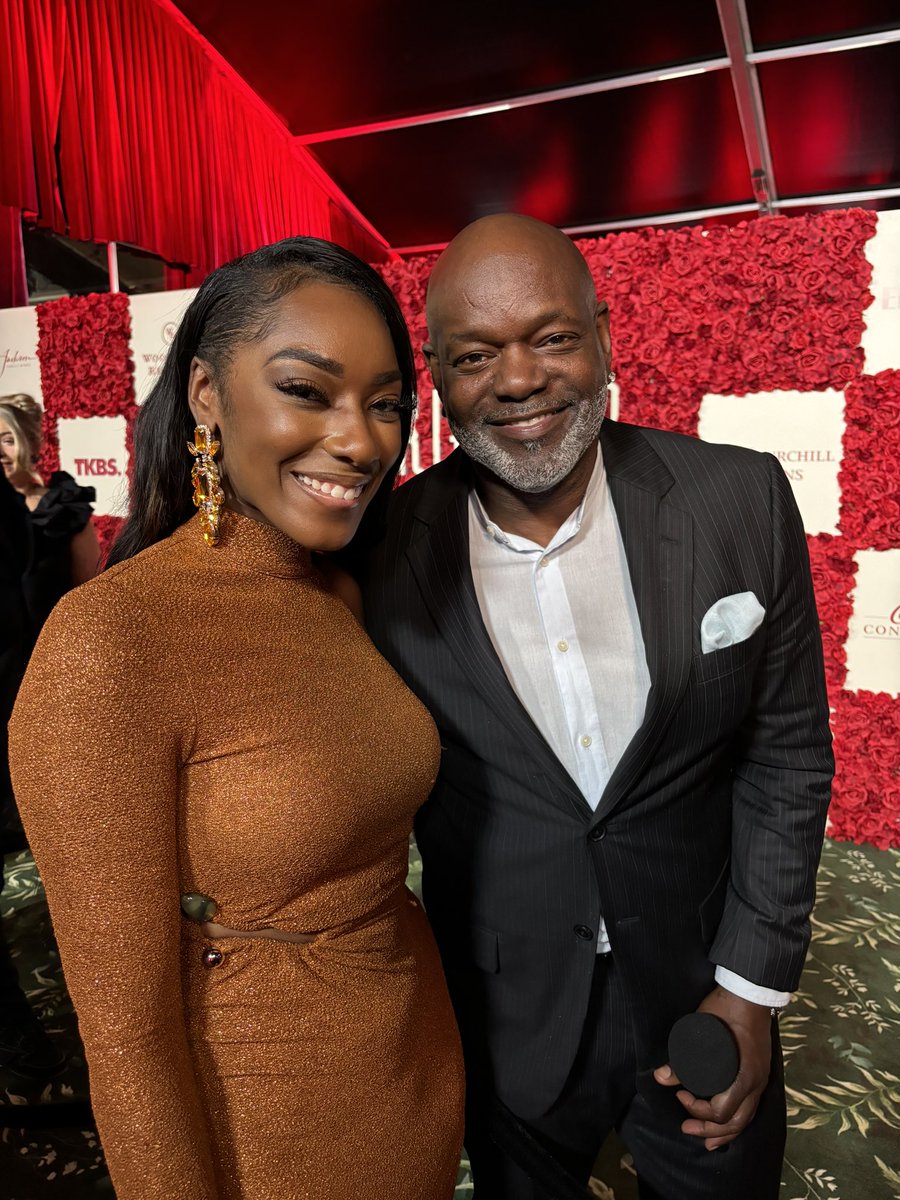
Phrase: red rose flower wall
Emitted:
{"points": [[773, 306]]}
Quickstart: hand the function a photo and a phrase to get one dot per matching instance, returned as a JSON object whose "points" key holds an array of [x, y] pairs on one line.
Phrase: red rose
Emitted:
{"points": [[723, 330], [811, 279], [784, 318], [835, 319], [875, 826], [683, 263], [653, 351], [625, 339], [852, 796], [883, 750], [649, 291], [754, 360], [811, 361], [799, 339], [843, 372], [680, 321], [840, 245], [783, 252]]}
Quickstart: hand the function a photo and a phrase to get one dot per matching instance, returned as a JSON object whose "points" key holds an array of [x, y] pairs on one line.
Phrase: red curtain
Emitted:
{"points": [[13, 285], [120, 125], [30, 94]]}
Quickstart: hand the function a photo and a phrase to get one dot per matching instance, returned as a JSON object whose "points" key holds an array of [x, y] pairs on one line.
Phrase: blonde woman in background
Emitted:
{"points": [[52, 547], [65, 551]]}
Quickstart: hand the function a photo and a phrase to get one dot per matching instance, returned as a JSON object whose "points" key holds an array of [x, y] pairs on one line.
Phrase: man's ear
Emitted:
{"points": [[203, 396], [603, 333]]}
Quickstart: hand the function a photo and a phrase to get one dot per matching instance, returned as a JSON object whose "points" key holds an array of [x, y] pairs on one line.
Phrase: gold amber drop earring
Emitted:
{"points": [[208, 494]]}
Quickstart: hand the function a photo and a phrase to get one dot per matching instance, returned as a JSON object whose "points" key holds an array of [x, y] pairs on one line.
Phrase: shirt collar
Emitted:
{"points": [[585, 512]]}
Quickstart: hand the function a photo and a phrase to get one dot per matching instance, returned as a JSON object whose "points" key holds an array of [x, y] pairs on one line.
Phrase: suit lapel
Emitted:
{"points": [[440, 562], [658, 540]]}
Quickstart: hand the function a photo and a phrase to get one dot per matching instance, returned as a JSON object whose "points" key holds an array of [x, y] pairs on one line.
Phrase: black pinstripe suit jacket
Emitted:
{"points": [[704, 845]]}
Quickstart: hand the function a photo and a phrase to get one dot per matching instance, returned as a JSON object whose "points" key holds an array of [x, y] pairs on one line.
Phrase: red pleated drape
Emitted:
{"points": [[13, 284], [31, 71], [121, 125]]}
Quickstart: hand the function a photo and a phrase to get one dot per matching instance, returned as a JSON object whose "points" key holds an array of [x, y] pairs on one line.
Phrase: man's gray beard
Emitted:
{"points": [[538, 470]]}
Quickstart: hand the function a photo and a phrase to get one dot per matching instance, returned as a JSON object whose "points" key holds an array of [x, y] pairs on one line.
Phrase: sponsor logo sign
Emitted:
{"points": [[802, 429], [154, 321], [19, 367], [873, 645], [92, 449]]}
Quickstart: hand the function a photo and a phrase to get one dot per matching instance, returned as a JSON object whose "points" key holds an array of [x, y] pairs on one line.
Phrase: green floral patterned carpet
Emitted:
{"points": [[841, 1038]]}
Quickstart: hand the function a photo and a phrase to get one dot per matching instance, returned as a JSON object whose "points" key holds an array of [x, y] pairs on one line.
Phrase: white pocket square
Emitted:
{"points": [[730, 620]]}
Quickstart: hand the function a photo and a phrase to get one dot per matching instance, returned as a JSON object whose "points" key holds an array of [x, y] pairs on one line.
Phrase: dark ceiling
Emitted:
{"points": [[607, 151]]}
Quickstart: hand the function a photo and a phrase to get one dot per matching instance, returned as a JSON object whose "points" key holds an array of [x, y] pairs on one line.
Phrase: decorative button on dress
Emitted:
{"points": [[215, 722]]}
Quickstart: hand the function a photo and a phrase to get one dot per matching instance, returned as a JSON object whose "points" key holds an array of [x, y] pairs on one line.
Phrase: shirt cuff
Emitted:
{"points": [[767, 997]]}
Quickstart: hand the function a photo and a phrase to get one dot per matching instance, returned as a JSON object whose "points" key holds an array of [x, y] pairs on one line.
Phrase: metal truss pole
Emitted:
{"points": [[736, 31]]}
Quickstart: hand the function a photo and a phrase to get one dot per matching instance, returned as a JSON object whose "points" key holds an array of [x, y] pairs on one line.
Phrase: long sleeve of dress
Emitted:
{"points": [[101, 728]]}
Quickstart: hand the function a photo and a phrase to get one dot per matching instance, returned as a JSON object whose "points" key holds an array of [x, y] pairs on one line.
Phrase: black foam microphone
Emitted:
{"points": [[703, 1054]]}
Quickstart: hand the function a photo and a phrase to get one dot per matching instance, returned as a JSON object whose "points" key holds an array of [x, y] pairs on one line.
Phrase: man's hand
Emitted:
{"points": [[719, 1120]]}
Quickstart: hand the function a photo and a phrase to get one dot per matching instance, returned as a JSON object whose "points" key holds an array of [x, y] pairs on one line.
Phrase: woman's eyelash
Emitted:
{"points": [[405, 404], [301, 389]]}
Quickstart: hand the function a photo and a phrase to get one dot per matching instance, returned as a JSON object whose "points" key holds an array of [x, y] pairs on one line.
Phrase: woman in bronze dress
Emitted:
{"points": [[259, 995]]}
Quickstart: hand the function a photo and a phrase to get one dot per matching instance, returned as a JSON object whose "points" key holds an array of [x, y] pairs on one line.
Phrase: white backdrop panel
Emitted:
{"points": [[881, 336], [93, 450], [802, 429], [154, 320], [19, 367], [873, 646]]}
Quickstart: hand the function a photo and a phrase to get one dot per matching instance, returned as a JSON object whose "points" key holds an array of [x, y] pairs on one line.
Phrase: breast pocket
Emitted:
{"points": [[720, 663]]}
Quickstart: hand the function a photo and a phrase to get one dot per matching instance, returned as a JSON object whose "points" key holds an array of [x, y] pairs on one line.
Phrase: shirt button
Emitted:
{"points": [[598, 833], [586, 740], [584, 932], [562, 645], [544, 562]]}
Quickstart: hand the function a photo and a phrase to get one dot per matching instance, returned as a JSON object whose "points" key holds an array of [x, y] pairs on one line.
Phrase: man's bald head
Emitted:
{"points": [[519, 351], [526, 244]]}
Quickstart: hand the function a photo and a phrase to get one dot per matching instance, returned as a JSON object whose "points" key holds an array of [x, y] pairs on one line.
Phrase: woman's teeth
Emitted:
{"points": [[333, 489]]}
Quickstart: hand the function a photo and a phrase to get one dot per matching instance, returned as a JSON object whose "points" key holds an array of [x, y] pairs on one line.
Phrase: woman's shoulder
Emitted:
{"points": [[118, 638], [64, 486], [129, 599], [65, 507]]}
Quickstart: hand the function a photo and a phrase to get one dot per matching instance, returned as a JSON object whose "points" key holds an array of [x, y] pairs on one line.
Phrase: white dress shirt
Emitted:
{"points": [[564, 623]]}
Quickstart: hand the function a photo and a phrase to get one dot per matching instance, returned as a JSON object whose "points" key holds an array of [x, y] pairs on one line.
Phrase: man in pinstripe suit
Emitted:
{"points": [[615, 631]]}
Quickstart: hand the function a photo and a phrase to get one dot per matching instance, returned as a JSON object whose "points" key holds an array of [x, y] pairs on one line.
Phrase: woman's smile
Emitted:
{"points": [[331, 491]]}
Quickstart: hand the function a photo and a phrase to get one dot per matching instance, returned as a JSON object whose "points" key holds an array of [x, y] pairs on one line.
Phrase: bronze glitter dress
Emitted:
{"points": [[219, 723]]}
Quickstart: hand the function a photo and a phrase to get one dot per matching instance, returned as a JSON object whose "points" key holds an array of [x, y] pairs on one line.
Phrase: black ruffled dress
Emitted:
{"points": [[62, 512], [36, 546]]}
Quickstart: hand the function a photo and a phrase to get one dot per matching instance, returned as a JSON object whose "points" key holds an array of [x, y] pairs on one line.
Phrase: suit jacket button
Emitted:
{"points": [[598, 833], [584, 932]]}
